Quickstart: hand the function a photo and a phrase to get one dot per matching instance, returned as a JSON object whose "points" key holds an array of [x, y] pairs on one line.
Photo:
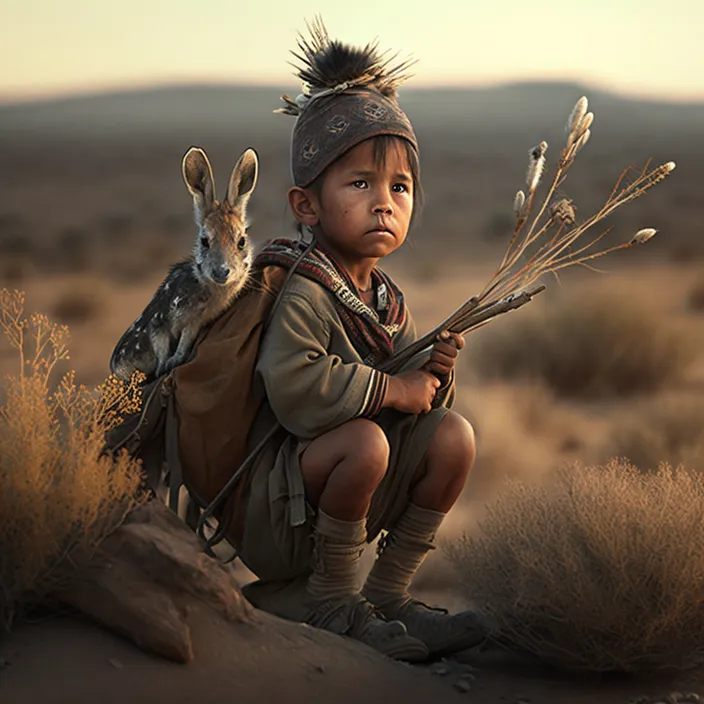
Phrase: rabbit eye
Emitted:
{"points": [[241, 242], [205, 242]]}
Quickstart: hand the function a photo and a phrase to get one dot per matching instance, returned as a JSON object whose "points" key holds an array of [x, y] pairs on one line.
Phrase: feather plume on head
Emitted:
{"points": [[328, 66], [349, 94]]}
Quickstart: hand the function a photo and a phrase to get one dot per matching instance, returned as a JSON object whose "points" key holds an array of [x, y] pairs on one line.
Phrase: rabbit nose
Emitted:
{"points": [[221, 274]]}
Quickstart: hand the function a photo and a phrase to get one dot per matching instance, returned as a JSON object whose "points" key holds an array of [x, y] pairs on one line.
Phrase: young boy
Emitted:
{"points": [[361, 451]]}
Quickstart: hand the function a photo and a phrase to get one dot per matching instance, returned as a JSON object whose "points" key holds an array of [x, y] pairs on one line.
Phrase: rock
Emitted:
{"points": [[467, 676], [641, 699], [440, 669], [462, 686], [690, 697], [136, 579]]}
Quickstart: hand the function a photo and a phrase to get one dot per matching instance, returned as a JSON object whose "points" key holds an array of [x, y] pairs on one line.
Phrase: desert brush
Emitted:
{"points": [[596, 568], [60, 493]]}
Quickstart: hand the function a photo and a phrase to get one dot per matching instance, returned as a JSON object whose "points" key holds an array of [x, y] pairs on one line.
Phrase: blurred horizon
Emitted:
{"points": [[634, 49], [279, 86]]}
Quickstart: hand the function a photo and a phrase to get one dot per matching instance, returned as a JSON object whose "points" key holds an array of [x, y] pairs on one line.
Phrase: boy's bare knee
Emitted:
{"points": [[368, 448], [454, 439]]}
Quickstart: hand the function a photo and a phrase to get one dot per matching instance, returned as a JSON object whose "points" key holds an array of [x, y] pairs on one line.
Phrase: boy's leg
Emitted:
{"points": [[341, 470], [447, 465]]}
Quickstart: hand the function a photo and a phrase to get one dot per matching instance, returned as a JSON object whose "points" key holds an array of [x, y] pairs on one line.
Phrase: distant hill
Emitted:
{"points": [[223, 108]]}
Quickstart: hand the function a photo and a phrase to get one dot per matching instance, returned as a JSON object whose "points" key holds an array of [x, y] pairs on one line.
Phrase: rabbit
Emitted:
{"points": [[198, 289]]}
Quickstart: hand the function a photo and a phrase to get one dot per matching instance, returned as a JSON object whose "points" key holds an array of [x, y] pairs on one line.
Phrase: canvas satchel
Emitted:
{"points": [[215, 398], [193, 423]]}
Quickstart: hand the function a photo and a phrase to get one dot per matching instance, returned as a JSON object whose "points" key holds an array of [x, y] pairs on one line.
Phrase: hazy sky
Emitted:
{"points": [[643, 47]]}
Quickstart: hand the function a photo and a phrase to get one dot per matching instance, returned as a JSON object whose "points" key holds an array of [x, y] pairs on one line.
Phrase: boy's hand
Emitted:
{"points": [[411, 392], [444, 353]]}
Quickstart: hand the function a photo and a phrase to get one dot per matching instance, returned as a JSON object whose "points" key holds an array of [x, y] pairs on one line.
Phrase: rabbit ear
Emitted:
{"points": [[199, 179], [243, 180]]}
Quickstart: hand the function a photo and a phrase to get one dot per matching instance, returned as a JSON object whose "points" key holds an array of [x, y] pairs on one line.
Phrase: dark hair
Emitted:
{"points": [[382, 143]]}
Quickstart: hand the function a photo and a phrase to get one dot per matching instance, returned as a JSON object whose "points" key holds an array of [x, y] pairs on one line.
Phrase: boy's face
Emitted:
{"points": [[364, 210]]}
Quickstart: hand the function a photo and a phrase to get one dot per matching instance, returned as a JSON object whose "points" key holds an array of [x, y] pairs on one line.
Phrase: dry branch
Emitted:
{"points": [[552, 240], [462, 321]]}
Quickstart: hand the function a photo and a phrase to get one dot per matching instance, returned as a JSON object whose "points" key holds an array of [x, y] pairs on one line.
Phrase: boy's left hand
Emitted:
{"points": [[444, 353]]}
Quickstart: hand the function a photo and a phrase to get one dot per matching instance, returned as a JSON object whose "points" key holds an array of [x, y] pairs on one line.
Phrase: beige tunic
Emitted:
{"points": [[315, 380]]}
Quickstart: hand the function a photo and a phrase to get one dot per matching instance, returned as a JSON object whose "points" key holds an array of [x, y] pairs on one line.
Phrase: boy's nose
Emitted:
{"points": [[383, 208]]}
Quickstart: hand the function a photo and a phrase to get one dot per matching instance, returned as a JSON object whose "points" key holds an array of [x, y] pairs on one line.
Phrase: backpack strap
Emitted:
{"points": [[173, 460], [225, 492], [289, 276]]}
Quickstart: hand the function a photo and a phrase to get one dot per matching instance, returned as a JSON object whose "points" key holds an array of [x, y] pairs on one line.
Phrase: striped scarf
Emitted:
{"points": [[370, 331]]}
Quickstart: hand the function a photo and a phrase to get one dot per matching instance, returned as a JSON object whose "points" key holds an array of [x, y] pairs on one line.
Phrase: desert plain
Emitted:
{"points": [[602, 364]]}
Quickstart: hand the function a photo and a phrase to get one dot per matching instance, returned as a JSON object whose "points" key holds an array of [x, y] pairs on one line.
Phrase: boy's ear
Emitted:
{"points": [[303, 206]]}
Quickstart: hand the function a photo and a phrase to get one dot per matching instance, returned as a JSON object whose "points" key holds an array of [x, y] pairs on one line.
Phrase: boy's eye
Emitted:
{"points": [[360, 184], [400, 188]]}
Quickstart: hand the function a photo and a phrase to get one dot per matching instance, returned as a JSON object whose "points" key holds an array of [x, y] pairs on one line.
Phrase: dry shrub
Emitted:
{"points": [[664, 430], [73, 250], [589, 346], [59, 496], [16, 269], [696, 296], [600, 569], [80, 301]]}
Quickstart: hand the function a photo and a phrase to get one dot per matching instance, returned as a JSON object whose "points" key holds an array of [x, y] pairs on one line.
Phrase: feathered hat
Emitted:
{"points": [[348, 95]]}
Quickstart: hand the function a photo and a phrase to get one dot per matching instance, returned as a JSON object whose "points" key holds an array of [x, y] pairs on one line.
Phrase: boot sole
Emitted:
{"points": [[408, 650], [460, 643]]}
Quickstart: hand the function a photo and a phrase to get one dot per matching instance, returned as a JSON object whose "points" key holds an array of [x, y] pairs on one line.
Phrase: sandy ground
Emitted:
{"points": [[65, 660]]}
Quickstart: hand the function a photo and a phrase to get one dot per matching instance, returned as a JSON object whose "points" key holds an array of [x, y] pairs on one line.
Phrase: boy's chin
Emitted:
{"points": [[379, 251], [381, 246]]}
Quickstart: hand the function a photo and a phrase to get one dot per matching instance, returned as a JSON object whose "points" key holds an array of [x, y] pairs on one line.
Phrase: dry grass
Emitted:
{"points": [[59, 495], [600, 569], [662, 430], [588, 346]]}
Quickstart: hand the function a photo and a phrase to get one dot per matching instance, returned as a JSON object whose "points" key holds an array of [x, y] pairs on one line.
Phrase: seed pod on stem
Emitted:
{"points": [[586, 123], [643, 236], [582, 141], [536, 165], [519, 204], [576, 117]]}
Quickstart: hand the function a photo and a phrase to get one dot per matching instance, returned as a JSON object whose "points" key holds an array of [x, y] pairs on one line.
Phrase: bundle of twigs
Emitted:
{"points": [[545, 243]]}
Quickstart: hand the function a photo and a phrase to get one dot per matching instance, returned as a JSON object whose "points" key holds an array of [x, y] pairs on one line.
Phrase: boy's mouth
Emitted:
{"points": [[380, 230]]}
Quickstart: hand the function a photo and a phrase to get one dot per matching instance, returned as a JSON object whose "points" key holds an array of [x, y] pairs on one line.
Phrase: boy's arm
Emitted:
{"points": [[310, 390]]}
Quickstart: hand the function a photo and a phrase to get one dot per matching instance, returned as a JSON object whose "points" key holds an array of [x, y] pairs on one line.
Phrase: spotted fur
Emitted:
{"points": [[198, 289]]}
